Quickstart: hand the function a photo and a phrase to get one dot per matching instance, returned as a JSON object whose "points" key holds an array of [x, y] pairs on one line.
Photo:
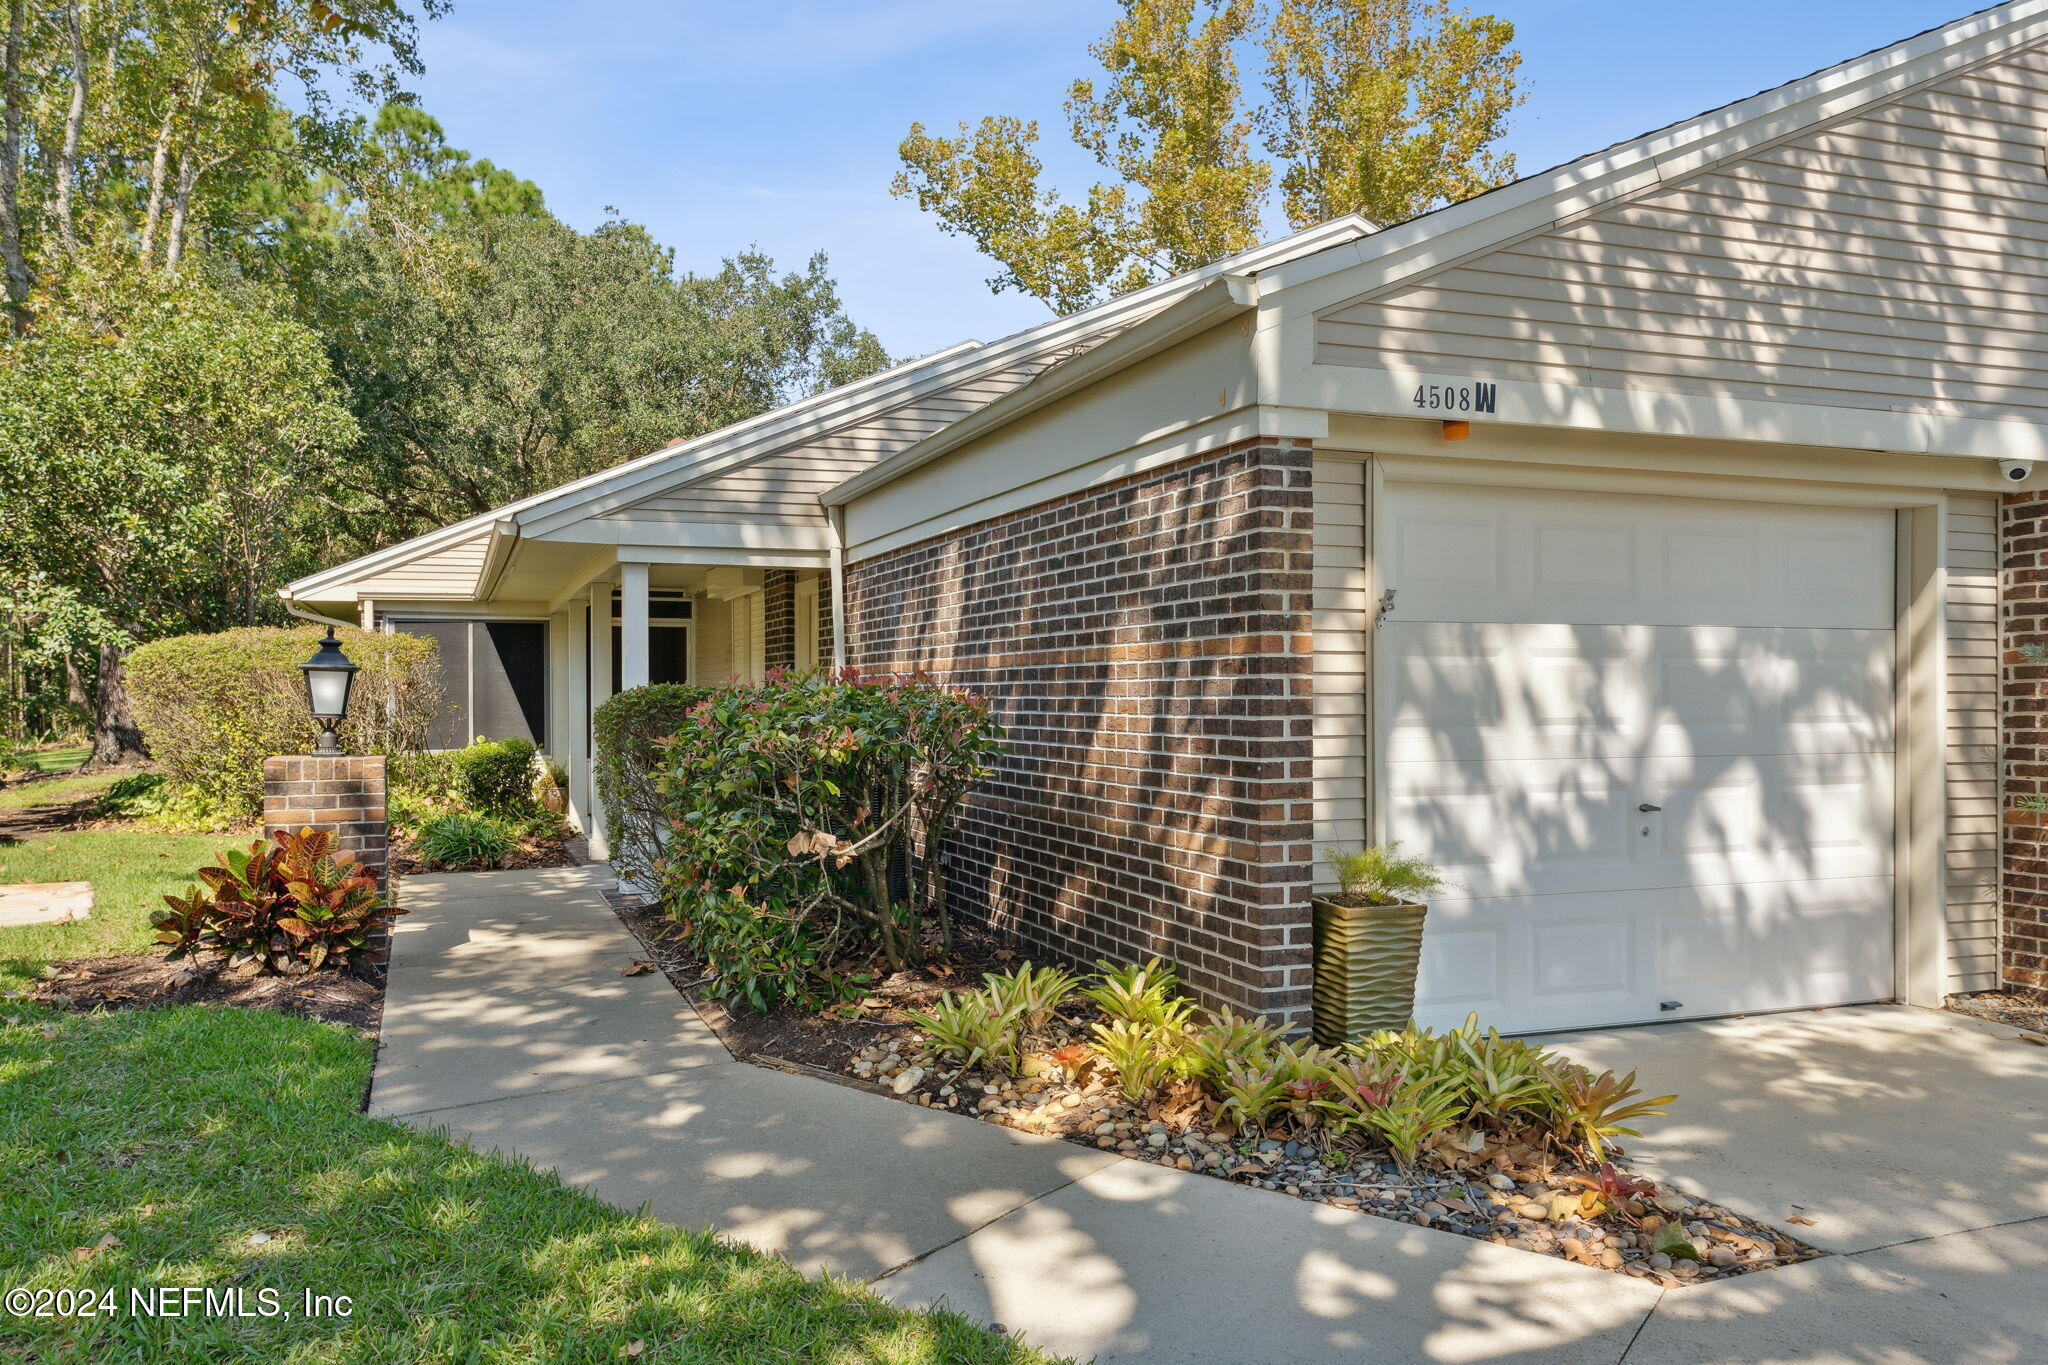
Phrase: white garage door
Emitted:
{"points": [[1651, 739]]}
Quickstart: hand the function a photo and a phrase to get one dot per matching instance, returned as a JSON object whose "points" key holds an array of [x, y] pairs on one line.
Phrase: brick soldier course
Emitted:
{"points": [[1146, 645], [343, 794], [2023, 590]]}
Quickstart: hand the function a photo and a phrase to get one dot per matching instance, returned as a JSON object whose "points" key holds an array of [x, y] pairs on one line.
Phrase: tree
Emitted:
{"points": [[154, 434], [500, 355], [1386, 108], [135, 122]]}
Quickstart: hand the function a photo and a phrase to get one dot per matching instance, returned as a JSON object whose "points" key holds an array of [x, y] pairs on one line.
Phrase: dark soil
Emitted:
{"points": [[804, 1038], [2023, 1009], [26, 822], [130, 981], [550, 849]]}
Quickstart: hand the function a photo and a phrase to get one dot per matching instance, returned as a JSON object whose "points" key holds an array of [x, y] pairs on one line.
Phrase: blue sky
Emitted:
{"points": [[776, 122]]}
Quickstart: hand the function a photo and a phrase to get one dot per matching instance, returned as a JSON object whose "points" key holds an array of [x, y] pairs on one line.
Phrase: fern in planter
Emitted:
{"points": [[1380, 875]]}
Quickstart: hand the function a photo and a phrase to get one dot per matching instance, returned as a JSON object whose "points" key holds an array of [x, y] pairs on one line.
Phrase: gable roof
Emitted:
{"points": [[1667, 154], [1343, 272], [819, 414]]}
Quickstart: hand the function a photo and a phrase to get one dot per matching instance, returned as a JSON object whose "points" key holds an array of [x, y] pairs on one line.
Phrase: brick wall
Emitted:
{"points": [[343, 794], [2024, 705], [1147, 645], [778, 618]]}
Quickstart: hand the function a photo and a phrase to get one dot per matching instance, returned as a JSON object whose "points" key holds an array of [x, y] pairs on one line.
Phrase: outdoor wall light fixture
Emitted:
{"points": [[329, 677]]}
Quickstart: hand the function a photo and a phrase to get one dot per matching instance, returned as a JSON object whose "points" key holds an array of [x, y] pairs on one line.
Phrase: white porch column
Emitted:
{"points": [[633, 641], [600, 692]]}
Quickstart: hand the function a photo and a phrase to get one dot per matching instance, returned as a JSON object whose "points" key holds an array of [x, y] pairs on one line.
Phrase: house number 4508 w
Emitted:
{"points": [[1473, 397]]}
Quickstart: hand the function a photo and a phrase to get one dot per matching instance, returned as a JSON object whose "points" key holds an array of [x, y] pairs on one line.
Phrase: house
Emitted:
{"points": [[1626, 539]]}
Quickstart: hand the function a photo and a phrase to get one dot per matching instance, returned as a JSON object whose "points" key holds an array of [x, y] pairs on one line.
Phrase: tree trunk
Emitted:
{"points": [[13, 259], [159, 167], [74, 123], [116, 741], [181, 200]]}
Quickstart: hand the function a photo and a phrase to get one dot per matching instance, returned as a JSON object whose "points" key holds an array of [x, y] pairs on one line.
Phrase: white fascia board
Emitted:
{"points": [[1221, 299], [1450, 235], [684, 536], [1653, 412]]}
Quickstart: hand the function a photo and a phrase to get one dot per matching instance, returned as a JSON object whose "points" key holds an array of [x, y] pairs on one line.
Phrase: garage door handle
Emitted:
{"points": [[1646, 808]]}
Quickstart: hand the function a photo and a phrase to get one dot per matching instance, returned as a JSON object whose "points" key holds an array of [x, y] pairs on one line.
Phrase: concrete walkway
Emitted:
{"points": [[1914, 1139]]}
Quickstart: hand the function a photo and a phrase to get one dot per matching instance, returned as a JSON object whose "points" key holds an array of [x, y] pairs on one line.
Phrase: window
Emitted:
{"points": [[668, 639], [494, 679]]}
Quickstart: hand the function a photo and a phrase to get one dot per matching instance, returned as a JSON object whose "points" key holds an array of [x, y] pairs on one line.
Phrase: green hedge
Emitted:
{"points": [[213, 707], [627, 728]]}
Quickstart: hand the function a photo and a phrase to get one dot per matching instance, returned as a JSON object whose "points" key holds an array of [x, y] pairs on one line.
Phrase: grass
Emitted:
{"points": [[144, 1149], [55, 791], [60, 758], [182, 1133], [130, 871]]}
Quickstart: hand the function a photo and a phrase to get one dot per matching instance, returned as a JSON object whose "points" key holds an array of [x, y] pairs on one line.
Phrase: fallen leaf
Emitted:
{"points": [[1672, 1241], [257, 1239], [633, 1349], [1799, 1219], [641, 966], [645, 1259]]}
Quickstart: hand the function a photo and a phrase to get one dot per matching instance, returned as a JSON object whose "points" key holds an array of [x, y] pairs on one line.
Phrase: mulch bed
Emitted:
{"points": [[2020, 1008], [128, 981], [804, 1039], [1510, 1193], [537, 850]]}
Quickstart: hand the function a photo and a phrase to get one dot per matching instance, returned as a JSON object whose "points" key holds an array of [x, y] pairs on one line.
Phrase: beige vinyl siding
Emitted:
{"points": [[1897, 259], [451, 571], [1342, 625], [784, 485], [1973, 798]]}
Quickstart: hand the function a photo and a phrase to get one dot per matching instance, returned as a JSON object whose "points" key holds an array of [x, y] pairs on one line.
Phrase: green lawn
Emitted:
{"points": [[129, 870], [60, 759], [181, 1133], [53, 791]]}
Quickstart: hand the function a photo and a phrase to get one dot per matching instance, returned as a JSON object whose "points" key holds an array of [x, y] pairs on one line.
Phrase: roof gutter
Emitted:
{"points": [[1224, 297]]}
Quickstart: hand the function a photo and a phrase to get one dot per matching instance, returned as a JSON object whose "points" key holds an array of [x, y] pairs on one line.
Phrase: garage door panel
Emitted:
{"points": [[1538, 827], [1501, 691], [1552, 962], [1463, 554]]}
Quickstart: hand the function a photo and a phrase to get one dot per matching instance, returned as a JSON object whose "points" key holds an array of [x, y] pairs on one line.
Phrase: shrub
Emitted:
{"points": [[759, 953], [173, 807], [284, 906], [495, 777], [463, 842], [213, 707], [1381, 876], [820, 803], [629, 730]]}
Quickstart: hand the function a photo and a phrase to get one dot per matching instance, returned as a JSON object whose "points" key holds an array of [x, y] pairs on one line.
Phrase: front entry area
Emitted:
{"points": [[1651, 741]]}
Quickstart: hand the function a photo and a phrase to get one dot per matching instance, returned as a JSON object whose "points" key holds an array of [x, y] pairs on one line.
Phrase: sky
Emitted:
{"points": [[774, 123]]}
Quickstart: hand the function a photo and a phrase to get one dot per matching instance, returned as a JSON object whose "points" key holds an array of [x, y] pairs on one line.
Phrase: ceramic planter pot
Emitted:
{"points": [[1366, 957]]}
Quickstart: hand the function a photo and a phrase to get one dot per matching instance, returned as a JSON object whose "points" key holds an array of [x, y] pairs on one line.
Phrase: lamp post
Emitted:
{"points": [[329, 676]]}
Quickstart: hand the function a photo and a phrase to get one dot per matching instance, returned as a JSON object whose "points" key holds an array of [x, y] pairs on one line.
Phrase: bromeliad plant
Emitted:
{"points": [[1141, 1053], [1033, 993], [972, 1029], [285, 906], [1147, 995]]}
